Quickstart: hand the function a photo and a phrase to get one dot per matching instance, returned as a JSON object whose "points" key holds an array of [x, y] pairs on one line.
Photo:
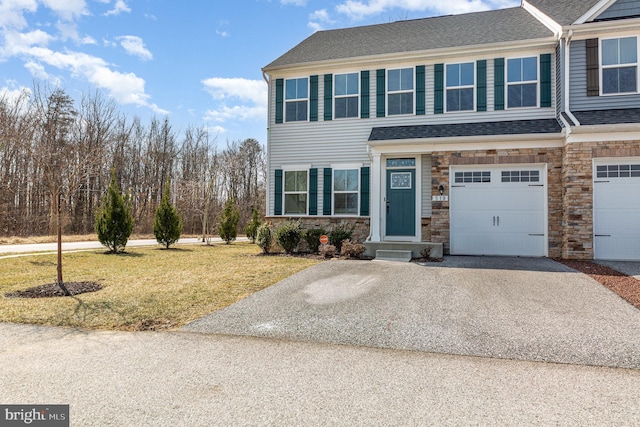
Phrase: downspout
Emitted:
{"points": [[266, 78], [567, 79]]}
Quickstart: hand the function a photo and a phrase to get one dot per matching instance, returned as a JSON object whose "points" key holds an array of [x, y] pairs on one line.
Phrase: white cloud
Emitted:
{"points": [[67, 9], [37, 70], [134, 46], [318, 18], [222, 34], [118, 8], [12, 12], [294, 2], [13, 92], [357, 9], [238, 99]]}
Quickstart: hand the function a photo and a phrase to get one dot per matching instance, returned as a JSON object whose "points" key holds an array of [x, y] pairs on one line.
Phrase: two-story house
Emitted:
{"points": [[506, 132]]}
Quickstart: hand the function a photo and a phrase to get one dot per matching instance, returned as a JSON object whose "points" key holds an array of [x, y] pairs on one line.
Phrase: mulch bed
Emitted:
{"points": [[51, 290], [626, 287]]}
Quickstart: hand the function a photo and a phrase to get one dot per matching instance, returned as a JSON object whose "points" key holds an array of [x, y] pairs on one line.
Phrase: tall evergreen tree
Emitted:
{"points": [[251, 229], [167, 224], [228, 224], [114, 222]]}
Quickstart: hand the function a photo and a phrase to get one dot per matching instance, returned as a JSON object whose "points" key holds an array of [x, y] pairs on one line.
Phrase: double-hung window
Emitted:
{"points": [[400, 91], [295, 192], [346, 95], [460, 86], [297, 97], [346, 186], [619, 65], [522, 82]]}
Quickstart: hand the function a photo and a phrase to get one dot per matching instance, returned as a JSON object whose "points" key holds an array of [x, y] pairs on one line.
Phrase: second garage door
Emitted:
{"points": [[498, 211]]}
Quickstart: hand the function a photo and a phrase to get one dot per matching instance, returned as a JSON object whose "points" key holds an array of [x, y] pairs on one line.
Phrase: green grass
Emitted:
{"points": [[146, 288]]}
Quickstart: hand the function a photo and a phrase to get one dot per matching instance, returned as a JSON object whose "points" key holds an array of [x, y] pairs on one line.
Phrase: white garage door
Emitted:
{"points": [[498, 211], [616, 209]]}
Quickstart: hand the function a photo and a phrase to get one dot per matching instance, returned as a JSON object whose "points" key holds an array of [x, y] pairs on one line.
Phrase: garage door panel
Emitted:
{"points": [[498, 218], [616, 210]]}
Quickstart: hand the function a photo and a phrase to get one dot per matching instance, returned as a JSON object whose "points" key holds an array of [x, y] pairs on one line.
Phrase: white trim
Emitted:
{"points": [[602, 67], [486, 142], [543, 18], [334, 96], [383, 199], [596, 10], [298, 167], [604, 133], [334, 192], [473, 87]]}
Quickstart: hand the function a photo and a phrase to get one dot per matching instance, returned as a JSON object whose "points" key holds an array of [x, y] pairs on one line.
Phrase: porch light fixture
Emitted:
{"points": [[441, 189]]}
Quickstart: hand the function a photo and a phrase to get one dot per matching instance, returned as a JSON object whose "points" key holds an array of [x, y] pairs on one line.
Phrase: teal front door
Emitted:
{"points": [[401, 202]]}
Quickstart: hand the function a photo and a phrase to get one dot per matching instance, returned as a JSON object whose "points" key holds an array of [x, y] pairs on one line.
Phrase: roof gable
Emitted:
{"points": [[564, 12], [470, 29], [621, 9]]}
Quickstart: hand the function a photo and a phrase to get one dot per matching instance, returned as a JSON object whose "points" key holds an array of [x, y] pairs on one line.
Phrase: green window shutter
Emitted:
{"points": [[481, 85], [498, 84], [420, 90], [593, 68], [313, 99], [279, 100], [438, 89], [381, 109], [328, 97], [364, 191], [326, 194], [313, 191], [364, 94], [277, 200], [545, 80]]}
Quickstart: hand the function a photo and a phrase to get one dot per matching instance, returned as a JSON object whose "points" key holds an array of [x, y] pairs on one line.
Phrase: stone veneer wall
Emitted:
{"points": [[360, 232], [577, 177], [440, 162]]}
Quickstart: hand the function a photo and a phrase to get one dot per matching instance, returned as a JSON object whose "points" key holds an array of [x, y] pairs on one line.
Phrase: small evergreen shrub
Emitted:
{"points": [[228, 224], [288, 235], [114, 222], [328, 251], [340, 232], [312, 237], [167, 225], [264, 238], [352, 249], [251, 229]]}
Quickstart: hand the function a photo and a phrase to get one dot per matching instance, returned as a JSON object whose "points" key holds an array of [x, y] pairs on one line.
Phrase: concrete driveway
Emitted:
{"points": [[512, 308]]}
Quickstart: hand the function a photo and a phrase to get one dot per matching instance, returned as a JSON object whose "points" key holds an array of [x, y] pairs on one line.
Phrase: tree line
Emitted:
{"points": [[57, 154]]}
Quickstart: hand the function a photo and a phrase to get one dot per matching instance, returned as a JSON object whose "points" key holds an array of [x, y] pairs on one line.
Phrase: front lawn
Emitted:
{"points": [[146, 288]]}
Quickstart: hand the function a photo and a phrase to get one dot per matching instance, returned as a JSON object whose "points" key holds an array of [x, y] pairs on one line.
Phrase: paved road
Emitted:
{"points": [[75, 246], [188, 379]]}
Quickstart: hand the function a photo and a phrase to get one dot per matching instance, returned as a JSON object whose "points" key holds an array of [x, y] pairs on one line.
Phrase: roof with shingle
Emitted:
{"points": [[510, 127], [564, 12], [608, 117], [470, 29]]}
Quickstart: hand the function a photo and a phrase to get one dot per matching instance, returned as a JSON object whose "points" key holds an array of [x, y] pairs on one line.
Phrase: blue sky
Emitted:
{"points": [[197, 62]]}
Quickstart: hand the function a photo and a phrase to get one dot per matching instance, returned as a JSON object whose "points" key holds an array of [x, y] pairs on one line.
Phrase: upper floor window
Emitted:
{"points": [[295, 192], [297, 97], [522, 82], [346, 191], [346, 95], [400, 91], [460, 86], [620, 65]]}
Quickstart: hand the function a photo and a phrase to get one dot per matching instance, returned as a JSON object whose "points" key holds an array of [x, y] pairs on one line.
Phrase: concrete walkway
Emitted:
{"points": [[511, 308], [188, 379]]}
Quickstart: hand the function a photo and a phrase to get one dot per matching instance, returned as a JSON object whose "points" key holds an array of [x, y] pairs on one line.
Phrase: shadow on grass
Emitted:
{"points": [[125, 254], [84, 310], [173, 249], [42, 263]]}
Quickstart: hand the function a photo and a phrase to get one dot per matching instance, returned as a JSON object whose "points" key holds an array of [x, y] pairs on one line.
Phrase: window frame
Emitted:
{"points": [[400, 92], [356, 95], [473, 87], [285, 192], [334, 192], [307, 99], [602, 67], [522, 82]]}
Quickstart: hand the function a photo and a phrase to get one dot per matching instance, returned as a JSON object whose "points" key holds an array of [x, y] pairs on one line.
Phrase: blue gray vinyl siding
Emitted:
{"points": [[621, 9], [578, 99]]}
